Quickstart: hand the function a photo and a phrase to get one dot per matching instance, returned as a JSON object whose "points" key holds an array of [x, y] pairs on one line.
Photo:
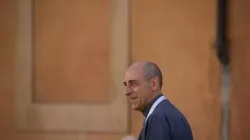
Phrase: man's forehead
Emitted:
{"points": [[133, 74]]}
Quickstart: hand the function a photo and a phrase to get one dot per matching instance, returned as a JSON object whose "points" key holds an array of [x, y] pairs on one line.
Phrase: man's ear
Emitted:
{"points": [[154, 83]]}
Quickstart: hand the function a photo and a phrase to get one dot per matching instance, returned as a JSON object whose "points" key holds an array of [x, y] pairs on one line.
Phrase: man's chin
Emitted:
{"points": [[136, 107]]}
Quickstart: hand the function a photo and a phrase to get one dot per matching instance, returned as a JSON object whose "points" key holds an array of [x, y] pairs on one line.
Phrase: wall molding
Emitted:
{"points": [[110, 117]]}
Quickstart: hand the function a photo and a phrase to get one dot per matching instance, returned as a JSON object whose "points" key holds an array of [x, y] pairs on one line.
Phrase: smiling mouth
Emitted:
{"points": [[133, 98]]}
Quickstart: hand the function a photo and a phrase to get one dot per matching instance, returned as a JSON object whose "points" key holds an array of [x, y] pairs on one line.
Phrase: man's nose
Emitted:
{"points": [[128, 91]]}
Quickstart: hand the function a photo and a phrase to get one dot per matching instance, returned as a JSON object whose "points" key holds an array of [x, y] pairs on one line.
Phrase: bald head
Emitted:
{"points": [[152, 70], [149, 70], [143, 82]]}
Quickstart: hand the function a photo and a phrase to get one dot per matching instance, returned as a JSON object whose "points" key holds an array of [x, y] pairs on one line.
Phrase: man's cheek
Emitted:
{"points": [[140, 100]]}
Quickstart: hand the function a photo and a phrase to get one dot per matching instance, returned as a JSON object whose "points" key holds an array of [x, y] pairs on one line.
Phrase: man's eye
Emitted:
{"points": [[134, 83]]}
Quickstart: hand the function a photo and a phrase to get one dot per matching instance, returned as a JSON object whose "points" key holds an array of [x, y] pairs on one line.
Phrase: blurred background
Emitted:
{"points": [[62, 64]]}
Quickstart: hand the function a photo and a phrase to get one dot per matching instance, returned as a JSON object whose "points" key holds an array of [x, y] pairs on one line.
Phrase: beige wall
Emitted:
{"points": [[178, 36], [240, 55], [7, 30]]}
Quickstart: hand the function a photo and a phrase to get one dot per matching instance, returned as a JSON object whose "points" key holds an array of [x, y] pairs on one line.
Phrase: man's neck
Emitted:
{"points": [[150, 102], [153, 96]]}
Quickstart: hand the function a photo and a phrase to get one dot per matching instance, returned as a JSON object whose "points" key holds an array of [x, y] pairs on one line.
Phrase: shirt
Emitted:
{"points": [[165, 123]]}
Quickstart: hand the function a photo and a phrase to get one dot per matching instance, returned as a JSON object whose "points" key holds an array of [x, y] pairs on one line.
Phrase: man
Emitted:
{"points": [[163, 121]]}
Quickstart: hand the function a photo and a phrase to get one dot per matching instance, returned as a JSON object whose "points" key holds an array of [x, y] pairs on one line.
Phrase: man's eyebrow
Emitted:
{"points": [[129, 81]]}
